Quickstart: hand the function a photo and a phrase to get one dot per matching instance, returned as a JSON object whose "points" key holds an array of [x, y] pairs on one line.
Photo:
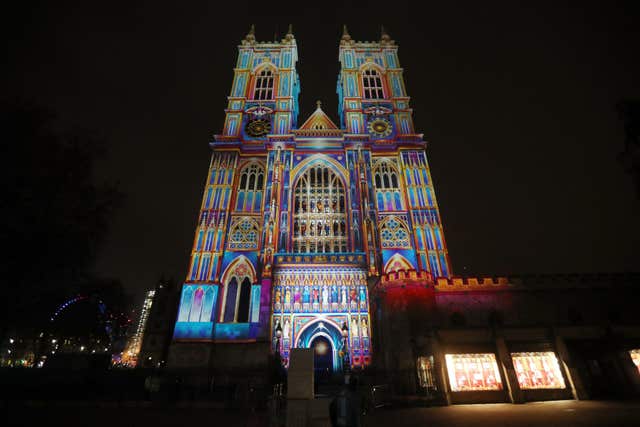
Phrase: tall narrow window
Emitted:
{"points": [[249, 198], [264, 86], [243, 301], [372, 84], [385, 177], [319, 219], [230, 301]]}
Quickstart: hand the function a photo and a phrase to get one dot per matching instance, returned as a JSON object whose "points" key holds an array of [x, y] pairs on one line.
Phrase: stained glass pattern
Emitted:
{"points": [[319, 220], [244, 234], [394, 234]]}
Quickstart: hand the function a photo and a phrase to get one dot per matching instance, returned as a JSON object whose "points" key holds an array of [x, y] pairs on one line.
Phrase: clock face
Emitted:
{"points": [[258, 127], [379, 127]]}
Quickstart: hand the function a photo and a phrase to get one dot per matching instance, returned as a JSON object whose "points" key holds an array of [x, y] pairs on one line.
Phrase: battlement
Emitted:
{"points": [[524, 281]]}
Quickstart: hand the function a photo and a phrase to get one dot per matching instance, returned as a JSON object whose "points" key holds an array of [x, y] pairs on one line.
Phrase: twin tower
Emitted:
{"points": [[300, 224]]}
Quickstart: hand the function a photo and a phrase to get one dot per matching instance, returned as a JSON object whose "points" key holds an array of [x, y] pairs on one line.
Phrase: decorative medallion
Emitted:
{"points": [[258, 127], [379, 127]]}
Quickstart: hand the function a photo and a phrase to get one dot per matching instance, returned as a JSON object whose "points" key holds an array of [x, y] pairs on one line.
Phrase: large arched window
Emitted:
{"points": [[388, 192], [372, 84], [319, 219], [250, 188], [263, 90]]}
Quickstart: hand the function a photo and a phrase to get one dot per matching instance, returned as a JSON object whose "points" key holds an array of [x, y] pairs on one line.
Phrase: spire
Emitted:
{"points": [[251, 35], [345, 33], [289, 35], [319, 104], [383, 34]]}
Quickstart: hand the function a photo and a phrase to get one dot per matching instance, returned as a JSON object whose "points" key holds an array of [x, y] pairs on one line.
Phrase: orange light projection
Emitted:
{"points": [[470, 372], [537, 370], [635, 356]]}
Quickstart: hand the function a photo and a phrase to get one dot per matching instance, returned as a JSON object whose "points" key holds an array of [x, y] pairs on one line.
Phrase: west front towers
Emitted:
{"points": [[299, 223]]}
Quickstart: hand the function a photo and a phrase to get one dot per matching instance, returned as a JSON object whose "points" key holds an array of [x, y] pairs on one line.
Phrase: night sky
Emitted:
{"points": [[517, 104]]}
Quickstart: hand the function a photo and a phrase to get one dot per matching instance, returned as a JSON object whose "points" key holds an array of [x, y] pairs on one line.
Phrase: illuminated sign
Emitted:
{"points": [[635, 356], [469, 372], [537, 370]]}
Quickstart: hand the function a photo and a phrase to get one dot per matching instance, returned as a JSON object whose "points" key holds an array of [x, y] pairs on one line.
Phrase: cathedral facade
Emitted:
{"points": [[299, 222]]}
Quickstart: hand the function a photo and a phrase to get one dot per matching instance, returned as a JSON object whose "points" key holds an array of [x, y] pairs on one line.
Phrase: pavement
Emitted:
{"points": [[567, 413]]}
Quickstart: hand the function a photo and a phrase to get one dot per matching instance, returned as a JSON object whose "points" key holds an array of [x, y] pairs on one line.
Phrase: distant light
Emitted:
{"points": [[93, 351], [149, 357], [81, 348], [10, 340], [53, 341], [9, 351], [105, 349]]}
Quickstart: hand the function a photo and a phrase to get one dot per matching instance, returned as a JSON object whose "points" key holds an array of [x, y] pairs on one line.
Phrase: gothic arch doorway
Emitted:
{"points": [[322, 357], [323, 333]]}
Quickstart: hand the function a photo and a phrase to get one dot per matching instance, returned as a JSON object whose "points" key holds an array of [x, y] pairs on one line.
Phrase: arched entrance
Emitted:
{"points": [[323, 357], [323, 333]]}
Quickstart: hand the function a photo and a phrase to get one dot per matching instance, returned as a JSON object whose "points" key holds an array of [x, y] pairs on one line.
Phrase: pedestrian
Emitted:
{"points": [[346, 408]]}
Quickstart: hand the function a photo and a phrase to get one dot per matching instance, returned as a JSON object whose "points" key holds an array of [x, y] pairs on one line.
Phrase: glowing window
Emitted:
{"points": [[319, 219], [264, 86], [469, 372], [372, 84], [385, 177], [249, 198], [537, 370], [635, 356], [426, 376]]}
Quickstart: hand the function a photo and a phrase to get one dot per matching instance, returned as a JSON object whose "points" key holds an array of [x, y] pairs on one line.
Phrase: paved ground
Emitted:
{"points": [[544, 414], [565, 413]]}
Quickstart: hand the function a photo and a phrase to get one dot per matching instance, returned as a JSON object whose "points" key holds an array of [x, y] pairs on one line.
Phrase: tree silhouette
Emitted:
{"points": [[53, 215]]}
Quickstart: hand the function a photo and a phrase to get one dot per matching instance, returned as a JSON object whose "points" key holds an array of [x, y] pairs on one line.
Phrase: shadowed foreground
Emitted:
{"points": [[558, 413]]}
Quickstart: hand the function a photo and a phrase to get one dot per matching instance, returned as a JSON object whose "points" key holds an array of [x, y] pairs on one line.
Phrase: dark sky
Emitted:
{"points": [[517, 103]]}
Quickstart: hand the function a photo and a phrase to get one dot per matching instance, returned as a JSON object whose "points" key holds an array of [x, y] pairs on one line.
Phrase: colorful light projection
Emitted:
{"points": [[310, 300], [635, 357], [197, 308], [538, 370], [473, 372]]}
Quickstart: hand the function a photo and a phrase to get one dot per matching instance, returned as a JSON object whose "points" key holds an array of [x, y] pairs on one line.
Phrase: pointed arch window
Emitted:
{"points": [[237, 301], [263, 89], [250, 189], [319, 219], [372, 84], [389, 194]]}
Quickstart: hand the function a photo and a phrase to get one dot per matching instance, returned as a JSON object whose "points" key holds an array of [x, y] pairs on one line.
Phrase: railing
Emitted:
{"points": [[380, 396]]}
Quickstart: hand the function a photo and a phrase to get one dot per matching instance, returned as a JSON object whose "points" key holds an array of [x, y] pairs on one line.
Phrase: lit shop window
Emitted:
{"points": [[635, 356], [468, 372], [426, 376], [537, 370]]}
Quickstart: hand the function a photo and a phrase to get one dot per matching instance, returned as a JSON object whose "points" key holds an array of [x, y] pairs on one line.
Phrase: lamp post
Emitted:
{"points": [[278, 336], [346, 366]]}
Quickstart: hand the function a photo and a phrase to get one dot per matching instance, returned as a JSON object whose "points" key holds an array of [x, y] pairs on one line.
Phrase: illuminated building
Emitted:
{"points": [[132, 350], [297, 220], [308, 232]]}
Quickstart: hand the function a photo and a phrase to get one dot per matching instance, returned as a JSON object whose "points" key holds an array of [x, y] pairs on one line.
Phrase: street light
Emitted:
{"points": [[278, 336]]}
